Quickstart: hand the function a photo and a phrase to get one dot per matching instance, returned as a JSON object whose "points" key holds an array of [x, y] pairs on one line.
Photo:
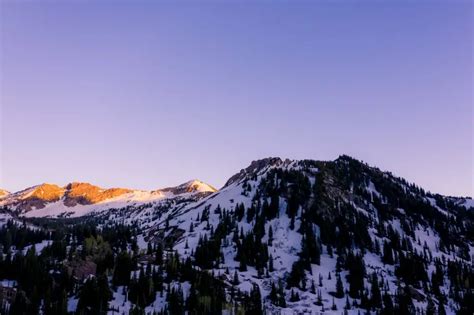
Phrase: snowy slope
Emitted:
{"points": [[286, 244], [468, 203], [367, 213]]}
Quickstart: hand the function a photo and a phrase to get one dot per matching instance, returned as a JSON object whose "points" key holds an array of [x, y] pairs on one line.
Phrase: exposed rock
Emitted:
{"points": [[3, 193], [86, 194]]}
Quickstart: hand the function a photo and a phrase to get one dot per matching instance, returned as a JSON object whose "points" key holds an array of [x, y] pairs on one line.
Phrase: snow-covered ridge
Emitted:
{"points": [[263, 218], [78, 199]]}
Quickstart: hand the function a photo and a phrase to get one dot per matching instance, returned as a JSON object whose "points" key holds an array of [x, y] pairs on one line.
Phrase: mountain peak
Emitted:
{"points": [[196, 185], [254, 167], [192, 186], [46, 192]]}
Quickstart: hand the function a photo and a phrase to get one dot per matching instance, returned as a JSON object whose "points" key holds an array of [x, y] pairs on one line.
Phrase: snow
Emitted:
{"points": [[4, 217], [58, 208], [38, 247], [8, 283], [371, 188], [119, 303], [199, 186], [433, 203], [468, 203], [284, 249], [141, 243], [72, 304]]}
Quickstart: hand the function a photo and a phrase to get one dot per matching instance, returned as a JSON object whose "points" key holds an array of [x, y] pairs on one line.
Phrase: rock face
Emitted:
{"points": [[86, 194], [36, 197]]}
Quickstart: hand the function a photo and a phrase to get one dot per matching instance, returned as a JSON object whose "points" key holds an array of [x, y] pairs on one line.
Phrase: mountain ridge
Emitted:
{"points": [[76, 194], [82, 193], [286, 237]]}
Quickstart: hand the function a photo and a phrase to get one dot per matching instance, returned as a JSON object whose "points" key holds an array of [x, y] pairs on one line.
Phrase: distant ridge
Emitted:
{"points": [[77, 194]]}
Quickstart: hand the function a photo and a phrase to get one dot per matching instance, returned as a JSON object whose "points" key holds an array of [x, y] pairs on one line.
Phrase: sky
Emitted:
{"points": [[144, 94]]}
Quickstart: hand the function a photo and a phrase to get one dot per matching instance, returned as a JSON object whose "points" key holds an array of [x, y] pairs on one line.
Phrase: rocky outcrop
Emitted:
{"points": [[86, 194], [3, 193]]}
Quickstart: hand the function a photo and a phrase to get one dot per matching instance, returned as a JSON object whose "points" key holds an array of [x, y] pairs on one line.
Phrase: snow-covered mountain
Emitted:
{"points": [[318, 236], [275, 214], [79, 199], [299, 237]]}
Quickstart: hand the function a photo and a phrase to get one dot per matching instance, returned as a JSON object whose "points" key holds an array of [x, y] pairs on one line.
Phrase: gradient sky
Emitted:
{"points": [[150, 94]]}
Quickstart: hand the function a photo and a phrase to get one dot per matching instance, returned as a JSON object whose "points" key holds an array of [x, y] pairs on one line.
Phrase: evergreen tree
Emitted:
{"points": [[236, 279], [339, 287], [176, 301], [254, 305], [376, 297], [123, 268], [297, 275]]}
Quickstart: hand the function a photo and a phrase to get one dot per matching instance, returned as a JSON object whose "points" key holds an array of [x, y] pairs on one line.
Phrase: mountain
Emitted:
{"points": [[78, 199], [3, 193], [281, 237], [318, 235]]}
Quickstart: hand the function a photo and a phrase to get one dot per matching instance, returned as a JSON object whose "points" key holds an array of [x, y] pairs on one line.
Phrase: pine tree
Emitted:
{"points": [[270, 264], [273, 296], [294, 297], [387, 305], [243, 263], [356, 268], [297, 275], [270, 236], [387, 254], [176, 301], [376, 298], [348, 304], [329, 250], [255, 302], [334, 307], [319, 299], [236, 279], [123, 268], [159, 255], [339, 287], [149, 249]]}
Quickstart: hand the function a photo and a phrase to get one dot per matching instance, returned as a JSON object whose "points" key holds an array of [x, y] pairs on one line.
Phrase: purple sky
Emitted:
{"points": [[150, 94]]}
